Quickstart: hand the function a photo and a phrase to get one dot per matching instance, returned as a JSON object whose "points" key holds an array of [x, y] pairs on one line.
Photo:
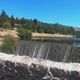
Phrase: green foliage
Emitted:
{"points": [[6, 25], [12, 20], [77, 33], [36, 26], [3, 17], [24, 34], [9, 45]]}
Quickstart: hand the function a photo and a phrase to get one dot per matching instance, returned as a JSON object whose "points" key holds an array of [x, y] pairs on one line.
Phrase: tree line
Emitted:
{"points": [[34, 25]]}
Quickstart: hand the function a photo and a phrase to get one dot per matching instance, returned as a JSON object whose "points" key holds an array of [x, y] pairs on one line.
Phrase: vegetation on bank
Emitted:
{"points": [[6, 26], [9, 45], [24, 34], [34, 25]]}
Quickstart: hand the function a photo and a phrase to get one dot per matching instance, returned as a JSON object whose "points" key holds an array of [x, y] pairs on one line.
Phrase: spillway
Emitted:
{"points": [[48, 50]]}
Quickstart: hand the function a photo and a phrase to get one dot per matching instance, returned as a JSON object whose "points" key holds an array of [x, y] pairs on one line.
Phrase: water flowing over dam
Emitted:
{"points": [[49, 50]]}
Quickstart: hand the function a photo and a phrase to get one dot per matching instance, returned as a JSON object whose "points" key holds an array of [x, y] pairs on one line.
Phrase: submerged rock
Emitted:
{"points": [[14, 67]]}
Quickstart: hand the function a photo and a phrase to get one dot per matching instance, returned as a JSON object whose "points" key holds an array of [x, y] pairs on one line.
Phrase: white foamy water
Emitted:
{"points": [[27, 60]]}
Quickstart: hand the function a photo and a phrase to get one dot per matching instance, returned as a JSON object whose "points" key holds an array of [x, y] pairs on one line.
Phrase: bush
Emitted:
{"points": [[9, 45], [6, 26], [24, 34]]}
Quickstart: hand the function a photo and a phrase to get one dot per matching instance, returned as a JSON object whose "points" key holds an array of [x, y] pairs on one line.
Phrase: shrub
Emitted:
{"points": [[6, 26], [9, 45], [24, 34]]}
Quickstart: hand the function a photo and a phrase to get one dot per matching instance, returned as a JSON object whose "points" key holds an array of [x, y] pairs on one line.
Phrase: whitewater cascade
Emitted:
{"points": [[15, 67]]}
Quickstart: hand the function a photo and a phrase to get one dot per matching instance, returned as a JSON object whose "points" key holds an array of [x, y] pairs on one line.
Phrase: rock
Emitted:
{"points": [[34, 69]]}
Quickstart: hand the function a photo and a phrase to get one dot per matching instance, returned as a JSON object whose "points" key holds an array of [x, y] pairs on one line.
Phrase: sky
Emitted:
{"points": [[66, 12]]}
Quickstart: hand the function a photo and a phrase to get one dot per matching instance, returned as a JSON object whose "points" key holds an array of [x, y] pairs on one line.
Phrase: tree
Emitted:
{"points": [[6, 25], [17, 21], [35, 25], [4, 17], [22, 21], [9, 45], [12, 21]]}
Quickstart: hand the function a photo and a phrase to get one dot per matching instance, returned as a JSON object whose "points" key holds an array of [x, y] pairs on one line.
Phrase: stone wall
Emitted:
{"points": [[17, 71], [14, 67]]}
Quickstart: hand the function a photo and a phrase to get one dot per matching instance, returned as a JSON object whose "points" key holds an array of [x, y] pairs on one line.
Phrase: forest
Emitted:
{"points": [[35, 25]]}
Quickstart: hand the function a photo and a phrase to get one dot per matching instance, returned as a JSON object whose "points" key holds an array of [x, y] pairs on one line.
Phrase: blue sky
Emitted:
{"points": [[65, 12]]}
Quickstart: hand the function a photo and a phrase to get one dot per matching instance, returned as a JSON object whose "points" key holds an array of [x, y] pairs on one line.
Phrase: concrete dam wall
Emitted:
{"points": [[50, 51]]}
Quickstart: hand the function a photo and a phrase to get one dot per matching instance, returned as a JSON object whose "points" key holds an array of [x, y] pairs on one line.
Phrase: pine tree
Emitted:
{"points": [[4, 17], [12, 19], [35, 25]]}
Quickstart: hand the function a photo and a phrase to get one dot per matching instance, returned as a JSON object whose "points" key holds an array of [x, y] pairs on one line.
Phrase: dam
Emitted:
{"points": [[49, 51], [38, 60]]}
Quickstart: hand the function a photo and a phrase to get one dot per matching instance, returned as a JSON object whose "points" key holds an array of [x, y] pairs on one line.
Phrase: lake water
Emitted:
{"points": [[75, 41]]}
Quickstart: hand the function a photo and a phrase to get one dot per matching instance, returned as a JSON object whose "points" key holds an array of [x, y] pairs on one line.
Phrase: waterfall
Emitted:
{"points": [[51, 51], [48, 52], [41, 51], [67, 53], [50, 73], [34, 52]]}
